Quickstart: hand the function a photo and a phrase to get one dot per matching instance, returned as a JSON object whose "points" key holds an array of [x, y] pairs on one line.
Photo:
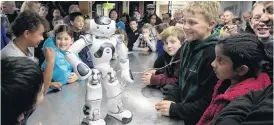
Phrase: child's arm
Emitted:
{"points": [[50, 56], [162, 79], [136, 44], [151, 43]]}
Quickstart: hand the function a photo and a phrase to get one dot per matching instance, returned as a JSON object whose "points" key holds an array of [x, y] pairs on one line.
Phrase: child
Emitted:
{"points": [[113, 15], [172, 37], [28, 29], [62, 72], [77, 23], [133, 34], [241, 64], [21, 89], [146, 41], [58, 20], [125, 40], [196, 77], [43, 11]]}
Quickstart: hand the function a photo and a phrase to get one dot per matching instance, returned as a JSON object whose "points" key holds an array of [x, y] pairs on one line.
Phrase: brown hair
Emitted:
{"points": [[161, 27], [63, 28], [119, 31], [173, 31]]}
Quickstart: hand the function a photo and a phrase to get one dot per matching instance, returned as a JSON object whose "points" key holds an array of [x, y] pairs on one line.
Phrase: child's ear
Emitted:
{"points": [[26, 33], [242, 70], [71, 22], [211, 24]]}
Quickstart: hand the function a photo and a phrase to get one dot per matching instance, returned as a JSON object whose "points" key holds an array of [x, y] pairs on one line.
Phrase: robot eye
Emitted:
{"points": [[107, 27], [97, 27]]}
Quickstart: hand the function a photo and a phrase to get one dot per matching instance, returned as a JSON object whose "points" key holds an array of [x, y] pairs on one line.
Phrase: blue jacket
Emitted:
{"points": [[121, 25], [160, 48], [62, 69], [4, 38]]}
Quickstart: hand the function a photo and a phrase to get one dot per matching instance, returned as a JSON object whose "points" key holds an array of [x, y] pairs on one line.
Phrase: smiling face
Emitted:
{"points": [[63, 41], [196, 27]]}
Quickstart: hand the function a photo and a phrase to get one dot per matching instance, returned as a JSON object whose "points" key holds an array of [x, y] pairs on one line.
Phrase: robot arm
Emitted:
{"points": [[80, 68], [77, 46], [123, 58]]}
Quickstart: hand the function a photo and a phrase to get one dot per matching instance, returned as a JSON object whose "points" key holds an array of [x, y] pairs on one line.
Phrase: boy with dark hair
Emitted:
{"points": [[28, 29], [197, 79], [78, 24], [21, 89], [133, 34]]}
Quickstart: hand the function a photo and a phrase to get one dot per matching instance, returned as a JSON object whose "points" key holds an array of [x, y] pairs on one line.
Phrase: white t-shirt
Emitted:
{"points": [[11, 50]]}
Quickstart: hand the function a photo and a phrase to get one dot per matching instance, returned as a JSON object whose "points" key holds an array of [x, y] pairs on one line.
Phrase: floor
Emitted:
{"points": [[65, 107]]}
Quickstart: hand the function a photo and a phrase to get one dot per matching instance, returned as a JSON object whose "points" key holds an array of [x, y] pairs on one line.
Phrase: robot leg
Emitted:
{"points": [[114, 94], [93, 99]]}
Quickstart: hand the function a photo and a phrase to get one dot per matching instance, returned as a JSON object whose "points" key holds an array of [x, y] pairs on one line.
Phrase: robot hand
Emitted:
{"points": [[126, 75]]}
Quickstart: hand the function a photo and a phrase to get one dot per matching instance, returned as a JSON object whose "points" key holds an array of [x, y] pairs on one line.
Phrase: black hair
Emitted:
{"points": [[73, 15], [150, 16], [27, 20], [22, 80], [126, 15], [247, 49], [133, 19], [117, 20], [63, 28], [44, 5]]}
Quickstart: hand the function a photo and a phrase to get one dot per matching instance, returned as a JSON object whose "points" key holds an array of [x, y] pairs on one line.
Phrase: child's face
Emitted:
{"points": [[222, 65], [43, 11], [172, 45], [137, 15], [56, 12], [153, 20], [78, 23], [35, 7], [63, 41], [196, 27], [145, 31], [58, 22], [35, 37], [113, 15], [133, 25]]}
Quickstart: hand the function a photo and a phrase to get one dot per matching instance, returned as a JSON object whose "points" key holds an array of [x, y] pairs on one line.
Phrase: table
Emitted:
{"points": [[65, 107]]}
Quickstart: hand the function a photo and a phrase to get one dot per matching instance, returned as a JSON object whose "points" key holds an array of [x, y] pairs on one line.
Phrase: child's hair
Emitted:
{"points": [[27, 5], [150, 16], [20, 85], [57, 18], [161, 27], [27, 20], [147, 26], [125, 15], [43, 5], [63, 28], [73, 15], [120, 31], [209, 9], [173, 31], [133, 19], [247, 49]]}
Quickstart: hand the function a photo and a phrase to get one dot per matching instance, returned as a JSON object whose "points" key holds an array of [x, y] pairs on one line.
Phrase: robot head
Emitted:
{"points": [[102, 26]]}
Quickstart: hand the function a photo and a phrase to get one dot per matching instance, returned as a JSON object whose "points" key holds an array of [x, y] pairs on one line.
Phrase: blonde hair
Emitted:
{"points": [[120, 31], [8, 2], [209, 9], [173, 31], [27, 5]]}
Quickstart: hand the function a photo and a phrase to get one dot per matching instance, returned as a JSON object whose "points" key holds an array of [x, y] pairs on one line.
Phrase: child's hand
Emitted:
{"points": [[146, 78], [73, 77], [56, 85], [49, 54], [163, 107], [146, 49]]}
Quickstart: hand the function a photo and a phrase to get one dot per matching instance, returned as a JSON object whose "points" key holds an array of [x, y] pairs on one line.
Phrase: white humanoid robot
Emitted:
{"points": [[102, 43]]}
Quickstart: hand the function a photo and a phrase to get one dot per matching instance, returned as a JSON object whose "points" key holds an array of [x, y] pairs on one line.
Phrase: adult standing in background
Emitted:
{"points": [[150, 9], [72, 8], [8, 8]]}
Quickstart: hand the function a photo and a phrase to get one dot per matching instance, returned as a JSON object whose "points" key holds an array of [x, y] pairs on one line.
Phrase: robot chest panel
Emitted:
{"points": [[103, 48]]}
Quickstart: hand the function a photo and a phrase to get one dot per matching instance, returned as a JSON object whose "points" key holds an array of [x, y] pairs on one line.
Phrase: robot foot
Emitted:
{"points": [[125, 116], [89, 122]]}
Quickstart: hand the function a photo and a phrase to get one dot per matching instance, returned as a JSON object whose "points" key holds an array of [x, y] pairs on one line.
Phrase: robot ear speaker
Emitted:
{"points": [[107, 27]]}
